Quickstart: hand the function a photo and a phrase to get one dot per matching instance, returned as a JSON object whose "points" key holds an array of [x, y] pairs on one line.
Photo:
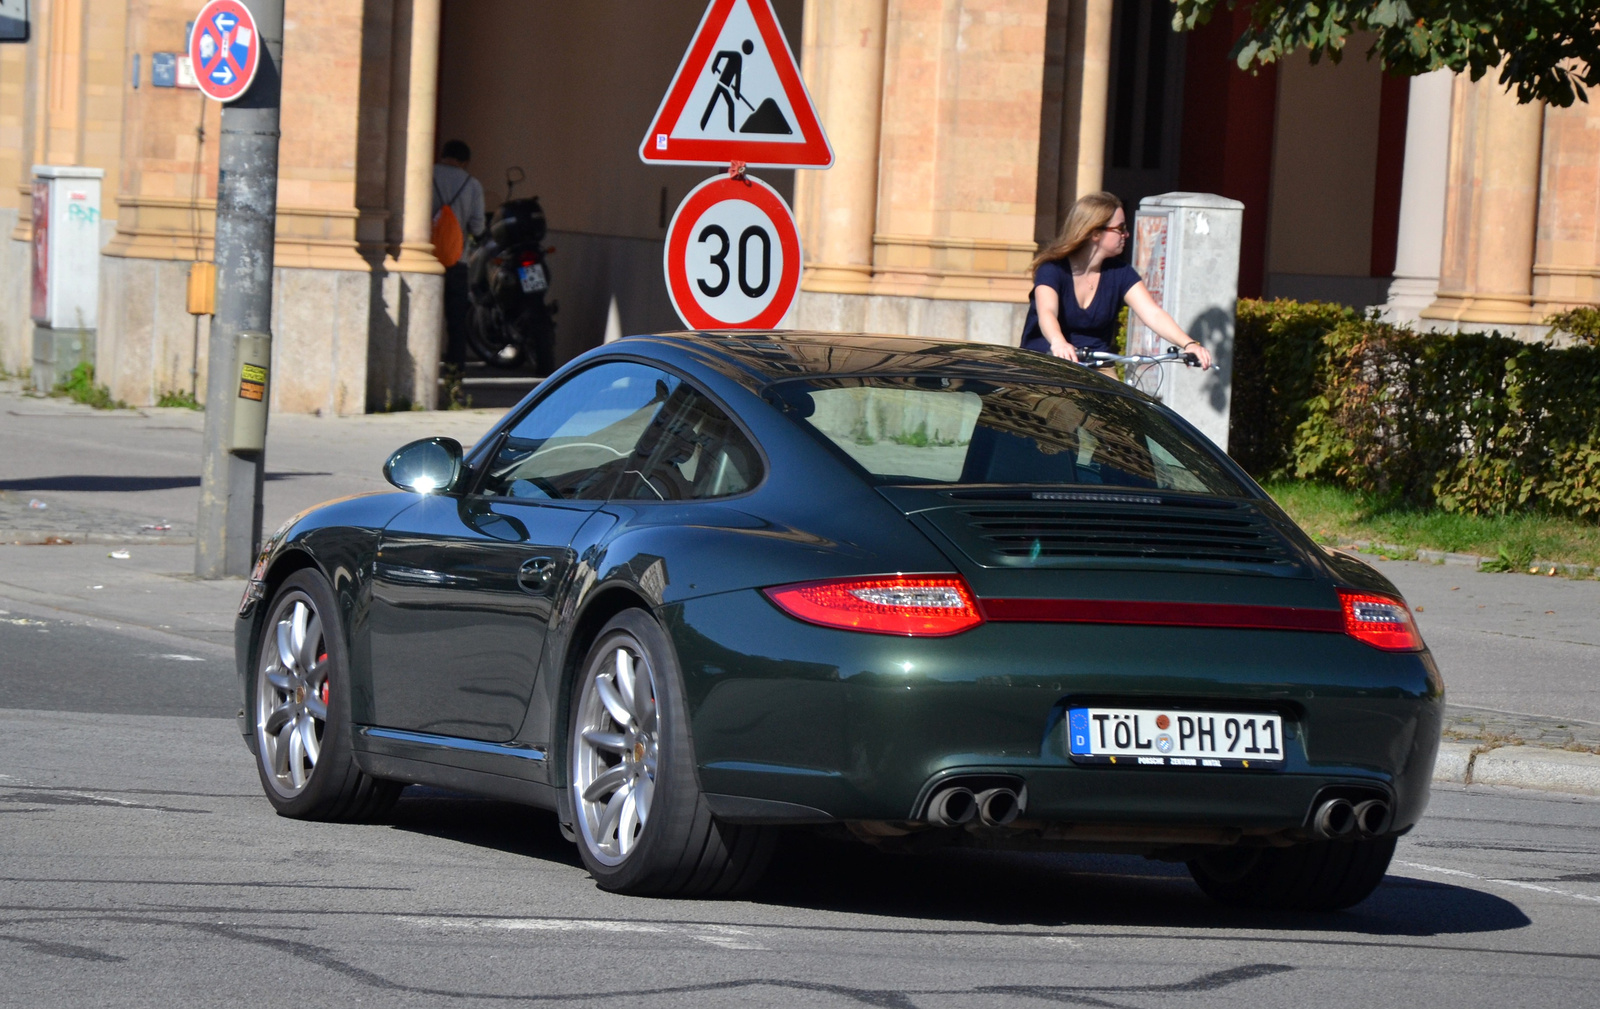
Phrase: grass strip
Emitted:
{"points": [[1335, 515]]}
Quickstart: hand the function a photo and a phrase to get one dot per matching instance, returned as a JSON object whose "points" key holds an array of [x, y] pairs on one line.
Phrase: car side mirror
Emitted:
{"points": [[432, 465]]}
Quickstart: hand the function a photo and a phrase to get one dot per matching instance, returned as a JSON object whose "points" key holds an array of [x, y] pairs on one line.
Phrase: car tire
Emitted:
{"points": [[643, 826], [1317, 876], [299, 703]]}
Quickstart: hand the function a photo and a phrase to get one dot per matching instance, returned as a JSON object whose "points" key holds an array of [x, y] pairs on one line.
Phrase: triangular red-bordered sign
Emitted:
{"points": [[736, 125]]}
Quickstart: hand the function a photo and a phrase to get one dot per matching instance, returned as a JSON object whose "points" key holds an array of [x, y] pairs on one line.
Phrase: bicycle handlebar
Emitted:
{"points": [[1101, 359]]}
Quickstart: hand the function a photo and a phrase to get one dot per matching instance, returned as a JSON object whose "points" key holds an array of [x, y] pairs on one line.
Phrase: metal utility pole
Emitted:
{"points": [[228, 531]]}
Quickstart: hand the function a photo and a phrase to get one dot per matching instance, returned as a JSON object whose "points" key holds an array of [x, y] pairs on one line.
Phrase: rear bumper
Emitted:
{"points": [[839, 725]]}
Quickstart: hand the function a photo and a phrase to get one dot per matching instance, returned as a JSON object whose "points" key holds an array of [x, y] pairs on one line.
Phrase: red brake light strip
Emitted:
{"points": [[1111, 611]]}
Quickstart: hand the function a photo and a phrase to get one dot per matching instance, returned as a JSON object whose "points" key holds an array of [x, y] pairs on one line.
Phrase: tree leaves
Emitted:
{"points": [[1547, 50]]}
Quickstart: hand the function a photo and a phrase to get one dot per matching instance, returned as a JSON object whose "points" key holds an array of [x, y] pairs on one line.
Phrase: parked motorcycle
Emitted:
{"points": [[508, 277]]}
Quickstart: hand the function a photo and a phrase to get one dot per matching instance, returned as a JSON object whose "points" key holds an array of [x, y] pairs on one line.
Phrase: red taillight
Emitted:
{"points": [[912, 605], [1380, 621], [528, 259]]}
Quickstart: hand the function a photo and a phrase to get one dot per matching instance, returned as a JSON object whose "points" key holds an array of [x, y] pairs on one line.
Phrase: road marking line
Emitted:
{"points": [[537, 924], [1491, 879], [76, 793]]}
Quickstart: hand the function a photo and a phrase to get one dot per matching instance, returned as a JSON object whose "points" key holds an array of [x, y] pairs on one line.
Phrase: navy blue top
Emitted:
{"points": [[1089, 329]]}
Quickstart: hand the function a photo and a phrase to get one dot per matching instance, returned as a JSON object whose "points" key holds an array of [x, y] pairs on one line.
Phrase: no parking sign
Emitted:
{"points": [[225, 49], [733, 256]]}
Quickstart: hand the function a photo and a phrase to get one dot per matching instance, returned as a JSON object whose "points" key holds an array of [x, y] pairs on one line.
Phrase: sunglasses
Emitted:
{"points": [[1121, 229]]}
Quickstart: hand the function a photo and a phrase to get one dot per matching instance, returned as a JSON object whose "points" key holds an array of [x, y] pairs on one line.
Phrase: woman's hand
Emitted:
{"points": [[1064, 350], [1200, 352]]}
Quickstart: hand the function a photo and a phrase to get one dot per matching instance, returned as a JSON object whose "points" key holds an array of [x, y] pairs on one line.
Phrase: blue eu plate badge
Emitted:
{"points": [[1078, 730]]}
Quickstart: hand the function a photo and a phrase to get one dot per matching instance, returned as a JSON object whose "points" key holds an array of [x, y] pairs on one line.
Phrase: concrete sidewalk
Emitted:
{"points": [[1520, 653], [126, 474]]}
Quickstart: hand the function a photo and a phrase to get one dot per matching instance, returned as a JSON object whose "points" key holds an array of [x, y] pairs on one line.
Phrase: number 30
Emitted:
{"points": [[720, 261]]}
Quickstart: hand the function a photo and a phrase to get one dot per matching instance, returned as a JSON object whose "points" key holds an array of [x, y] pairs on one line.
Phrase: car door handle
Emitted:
{"points": [[535, 573]]}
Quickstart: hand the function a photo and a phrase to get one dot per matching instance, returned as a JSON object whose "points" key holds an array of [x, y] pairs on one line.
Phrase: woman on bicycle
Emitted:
{"points": [[1081, 281]]}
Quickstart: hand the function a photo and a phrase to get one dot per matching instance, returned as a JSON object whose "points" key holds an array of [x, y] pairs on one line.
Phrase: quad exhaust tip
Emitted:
{"points": [[952, 807], [957, 805], [1340, 819], [1372, 817], [998, 806]]}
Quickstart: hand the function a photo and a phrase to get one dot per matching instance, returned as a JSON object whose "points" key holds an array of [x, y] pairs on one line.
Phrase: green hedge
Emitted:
{"points": [[1470, 422], [1278, 351]]}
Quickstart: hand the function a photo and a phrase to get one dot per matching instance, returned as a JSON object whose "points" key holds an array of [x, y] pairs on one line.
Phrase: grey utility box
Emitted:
{"points": [[66, 269], [1186, 247]]}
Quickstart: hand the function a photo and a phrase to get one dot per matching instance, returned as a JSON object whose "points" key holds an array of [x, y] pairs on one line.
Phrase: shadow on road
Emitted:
{"points": [[121, 484], [997, 888], [1008, 888], [483, 823]]}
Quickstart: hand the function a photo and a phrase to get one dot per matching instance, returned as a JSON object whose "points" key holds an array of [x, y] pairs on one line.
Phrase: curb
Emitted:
{"points": [[69, 537], [1474, 561], [1520, 767]]}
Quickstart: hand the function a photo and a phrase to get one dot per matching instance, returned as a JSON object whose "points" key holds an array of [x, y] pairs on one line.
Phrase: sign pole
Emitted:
{"points": [[228, 532]]}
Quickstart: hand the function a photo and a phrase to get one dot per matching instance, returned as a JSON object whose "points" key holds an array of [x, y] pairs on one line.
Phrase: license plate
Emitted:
{"points": [[533, 278], [1151, 737]]}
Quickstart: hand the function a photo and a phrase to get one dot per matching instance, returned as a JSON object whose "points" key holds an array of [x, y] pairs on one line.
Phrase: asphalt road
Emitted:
{"points": [[141, 866], [1508, 642]]}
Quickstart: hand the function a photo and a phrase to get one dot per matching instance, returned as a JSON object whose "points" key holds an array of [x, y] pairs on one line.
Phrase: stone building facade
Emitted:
{"points": [[962, 131]]}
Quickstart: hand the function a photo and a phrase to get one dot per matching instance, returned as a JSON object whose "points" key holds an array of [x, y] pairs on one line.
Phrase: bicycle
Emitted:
{"points": [[1139, 367]]}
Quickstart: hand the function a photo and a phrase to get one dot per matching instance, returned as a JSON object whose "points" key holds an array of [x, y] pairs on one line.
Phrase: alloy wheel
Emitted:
{"points": [[615, 750], [292, 691]]}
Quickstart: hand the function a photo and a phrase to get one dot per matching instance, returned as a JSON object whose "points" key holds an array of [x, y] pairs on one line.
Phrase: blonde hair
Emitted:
{"points": [[1090, 214]]}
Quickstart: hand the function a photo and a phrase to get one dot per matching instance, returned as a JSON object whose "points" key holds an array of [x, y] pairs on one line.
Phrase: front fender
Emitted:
{"points": [[340, 541]]}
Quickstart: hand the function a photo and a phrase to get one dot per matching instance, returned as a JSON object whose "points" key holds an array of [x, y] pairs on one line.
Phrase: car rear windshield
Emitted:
{"points": [[961, 431]]}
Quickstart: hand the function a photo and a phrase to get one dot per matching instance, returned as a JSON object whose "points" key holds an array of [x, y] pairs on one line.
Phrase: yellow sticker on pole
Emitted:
{"points": [[252, 382]]}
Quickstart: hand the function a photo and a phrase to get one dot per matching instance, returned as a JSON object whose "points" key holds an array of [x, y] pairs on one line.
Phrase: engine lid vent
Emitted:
{"points": [[1118, 530]]}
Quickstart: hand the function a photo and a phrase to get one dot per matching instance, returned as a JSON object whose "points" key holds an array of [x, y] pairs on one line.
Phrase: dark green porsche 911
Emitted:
{"points": [[698, 589]]}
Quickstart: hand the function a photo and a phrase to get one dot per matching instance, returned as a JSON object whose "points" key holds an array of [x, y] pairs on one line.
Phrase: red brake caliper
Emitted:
{"points": [[320, 660]]}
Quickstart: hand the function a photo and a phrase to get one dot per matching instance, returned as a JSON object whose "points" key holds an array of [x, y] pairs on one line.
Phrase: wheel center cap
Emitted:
{"points": [[638, 751], [300, 695]]}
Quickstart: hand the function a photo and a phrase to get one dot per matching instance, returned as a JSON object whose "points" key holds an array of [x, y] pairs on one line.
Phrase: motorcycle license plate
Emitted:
{"points": [[1150, 737], [533, 278]]}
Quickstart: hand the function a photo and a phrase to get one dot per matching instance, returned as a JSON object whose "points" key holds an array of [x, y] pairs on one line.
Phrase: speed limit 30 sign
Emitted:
{"points": [[733, 256]]}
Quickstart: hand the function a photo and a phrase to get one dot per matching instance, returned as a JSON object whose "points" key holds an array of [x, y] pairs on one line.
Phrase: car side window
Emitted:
{"points": [[576, 441], [692, 450]]}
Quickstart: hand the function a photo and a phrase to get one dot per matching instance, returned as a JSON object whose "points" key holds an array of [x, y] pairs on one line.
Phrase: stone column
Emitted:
{"points": [[1083, 141], [1566, 268], [422, 93], [414, 291], [1491, 206], [1422, 189], [958, 169], [62, 145], [842, 63]]}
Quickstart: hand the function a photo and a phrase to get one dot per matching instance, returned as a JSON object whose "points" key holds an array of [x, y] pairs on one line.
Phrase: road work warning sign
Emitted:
{"points": [[738, 96]]}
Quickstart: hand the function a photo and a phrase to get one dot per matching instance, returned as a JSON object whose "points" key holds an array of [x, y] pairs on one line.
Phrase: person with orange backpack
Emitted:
{"points": [[457, 216]]}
